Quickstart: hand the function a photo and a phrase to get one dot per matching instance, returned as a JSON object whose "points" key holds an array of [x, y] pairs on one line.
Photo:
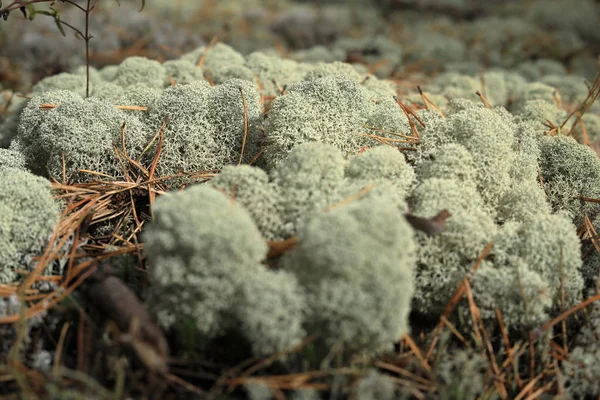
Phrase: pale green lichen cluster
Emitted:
{"points": [[536, 271], [375, 385], [485, 167], [28, 214], [324, 179], [11, 159], [204, 259], [11, 106], [581, 371], [134, 70], [314, 177], [79, 131], [488, 134], [461, 375], [332, 109], [204, 255], [351, 261], [205, 125], [569, 171], [63, 81]]}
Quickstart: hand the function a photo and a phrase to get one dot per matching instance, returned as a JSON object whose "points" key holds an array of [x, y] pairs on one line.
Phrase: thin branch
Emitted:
{"points": [[15, 5]]}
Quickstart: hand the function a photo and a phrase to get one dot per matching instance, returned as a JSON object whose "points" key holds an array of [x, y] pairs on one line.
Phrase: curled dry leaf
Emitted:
{"points": [[118, 302], [431, 226], [277, 249]]}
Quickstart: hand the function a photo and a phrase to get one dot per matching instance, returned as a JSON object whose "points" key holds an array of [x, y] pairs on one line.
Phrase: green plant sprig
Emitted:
{"points": [[27, 7]]}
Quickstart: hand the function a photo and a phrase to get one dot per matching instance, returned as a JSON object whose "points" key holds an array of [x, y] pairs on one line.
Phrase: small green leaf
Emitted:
{"points": [[31, 11], [59, 25], [43, 12]]}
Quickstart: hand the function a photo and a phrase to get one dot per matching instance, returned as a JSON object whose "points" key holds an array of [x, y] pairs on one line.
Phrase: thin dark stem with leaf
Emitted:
{"points": [[85, 36], [87, 49], [15, 5], [29, 11]]}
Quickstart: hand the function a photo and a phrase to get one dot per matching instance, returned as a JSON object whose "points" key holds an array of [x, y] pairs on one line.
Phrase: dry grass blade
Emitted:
{"points": [[593, 94], [553, 129], [212, 42], [590, 233], [411, 385], [484, 100], [123, 141], [162, 127], [87, 171], [417, 352], [122, 164], [257, 156], [476, 315], [384, 140], [49, 253], [388, 132], [409, 113], [588, 199], [558, 351], [132, 108], [566, 314], [270, 360], [350, 198], [509, 350], [559, 381], [50, 106], [246, 127], [152, 171], [428, 102], [455, 331], [159, 146], [541, 180], [474, 310], [184, 384], [280, 89], [294, 381], [401, 371], [51, 299], [456, 298], [537, 393], [59, 349], [529, 387], [64, 169]]}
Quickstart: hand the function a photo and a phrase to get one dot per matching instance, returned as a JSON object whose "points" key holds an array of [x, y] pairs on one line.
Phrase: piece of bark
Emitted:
{"points": [[118, 302]]}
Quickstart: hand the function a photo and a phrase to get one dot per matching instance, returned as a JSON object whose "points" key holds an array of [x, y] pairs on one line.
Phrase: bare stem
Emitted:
{"points": [[74, 4], [87, 49], [72, 27]]}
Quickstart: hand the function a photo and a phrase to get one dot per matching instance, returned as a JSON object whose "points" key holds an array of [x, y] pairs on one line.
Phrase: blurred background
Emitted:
{"points": [[395, 39]]}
